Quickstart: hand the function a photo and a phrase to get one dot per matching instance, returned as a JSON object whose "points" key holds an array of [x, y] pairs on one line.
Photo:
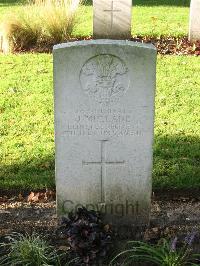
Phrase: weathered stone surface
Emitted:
{"points": [[104, 113], [112, 19], [194, 28]]}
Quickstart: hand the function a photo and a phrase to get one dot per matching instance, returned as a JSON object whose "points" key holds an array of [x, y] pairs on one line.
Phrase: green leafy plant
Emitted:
{"points": [[28, 250], [165, 253]]}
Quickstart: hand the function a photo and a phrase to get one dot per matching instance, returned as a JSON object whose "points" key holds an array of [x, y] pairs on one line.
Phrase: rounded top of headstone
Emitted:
{"points": [[104, 42]]}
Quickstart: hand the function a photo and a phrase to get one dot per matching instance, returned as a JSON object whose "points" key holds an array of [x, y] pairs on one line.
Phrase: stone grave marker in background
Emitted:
{"points": [[112, 19], [104, 115], [194, 27]]}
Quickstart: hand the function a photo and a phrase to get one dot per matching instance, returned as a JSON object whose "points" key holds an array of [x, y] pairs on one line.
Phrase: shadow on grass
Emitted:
{"points": [[176, 162], [10, 3], [183, 3], [176, 165], [36, 173]]}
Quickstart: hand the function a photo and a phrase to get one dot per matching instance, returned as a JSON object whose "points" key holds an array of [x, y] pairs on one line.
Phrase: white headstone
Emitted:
{"points": [[112, 19], [194, 28], [104, 114]]}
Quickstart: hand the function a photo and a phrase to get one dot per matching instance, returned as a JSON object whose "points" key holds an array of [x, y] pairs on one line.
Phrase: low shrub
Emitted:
{"points": [[165, 253], [40, 24]]}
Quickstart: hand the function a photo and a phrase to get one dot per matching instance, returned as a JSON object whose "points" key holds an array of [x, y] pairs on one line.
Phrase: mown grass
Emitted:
{"points": [[177, 124], [26, 122], [26, 106], [150, 17], [7, 5]]}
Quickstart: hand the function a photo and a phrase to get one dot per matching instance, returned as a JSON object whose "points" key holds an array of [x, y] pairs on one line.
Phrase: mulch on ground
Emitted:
{"points": [[164, 45], [36, 212], [172, 45]]}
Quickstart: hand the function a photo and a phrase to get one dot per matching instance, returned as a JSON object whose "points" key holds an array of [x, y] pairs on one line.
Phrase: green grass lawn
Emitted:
{"points": [[150, 17], [7, 5], [26, 104], [26, 122]]}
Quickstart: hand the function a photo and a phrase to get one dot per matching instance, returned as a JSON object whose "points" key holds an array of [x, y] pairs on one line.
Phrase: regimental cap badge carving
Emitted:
{"points": [[105, 78]]}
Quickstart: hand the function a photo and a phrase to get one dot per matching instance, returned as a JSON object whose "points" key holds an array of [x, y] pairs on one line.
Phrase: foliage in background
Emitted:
{"points": [[149, 17], [40, 23], [89, 239], [28, 250], [165, 253]]}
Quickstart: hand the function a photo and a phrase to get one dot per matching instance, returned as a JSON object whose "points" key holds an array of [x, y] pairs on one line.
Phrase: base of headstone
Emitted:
{"points": [[124, 36], [127, 227], [129, 232], [121, 242]]}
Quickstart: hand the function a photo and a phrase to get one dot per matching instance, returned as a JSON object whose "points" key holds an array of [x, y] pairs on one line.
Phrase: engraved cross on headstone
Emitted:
{"points": [[103, 163], [112, 11]]}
